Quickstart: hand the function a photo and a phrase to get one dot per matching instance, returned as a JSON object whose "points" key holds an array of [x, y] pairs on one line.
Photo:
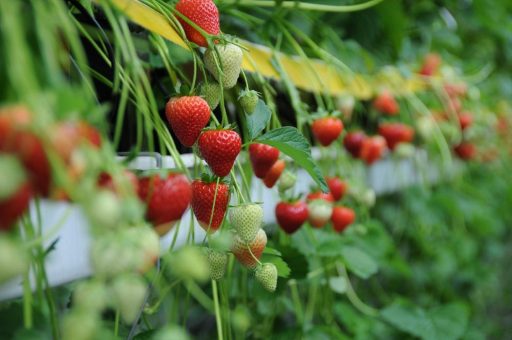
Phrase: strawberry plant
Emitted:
{"points": [[254, 169]]}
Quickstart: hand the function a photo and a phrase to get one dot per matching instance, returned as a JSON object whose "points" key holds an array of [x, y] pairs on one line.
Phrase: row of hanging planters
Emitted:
{"points": [[82, 83]]}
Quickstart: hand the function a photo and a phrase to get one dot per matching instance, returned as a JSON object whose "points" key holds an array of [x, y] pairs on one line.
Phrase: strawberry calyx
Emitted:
{"points": [[207, 176]]}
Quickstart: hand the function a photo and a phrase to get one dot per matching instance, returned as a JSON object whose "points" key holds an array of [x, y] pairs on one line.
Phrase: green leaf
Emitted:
{"points": [[338, 284], [359, 262], [258, 120], [444, 322], [292, 143], [282, 267], [271, 251]]}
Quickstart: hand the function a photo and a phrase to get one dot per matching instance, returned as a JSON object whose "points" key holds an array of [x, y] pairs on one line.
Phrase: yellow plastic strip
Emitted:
{"points": [[258, 58]]}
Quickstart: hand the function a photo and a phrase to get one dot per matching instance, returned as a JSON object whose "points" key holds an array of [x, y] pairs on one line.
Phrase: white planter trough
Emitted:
{"points": [[70, 261]]}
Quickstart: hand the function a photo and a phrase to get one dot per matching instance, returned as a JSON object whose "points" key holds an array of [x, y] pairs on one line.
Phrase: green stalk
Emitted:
{"points": [[217, 310], [305, 5]]}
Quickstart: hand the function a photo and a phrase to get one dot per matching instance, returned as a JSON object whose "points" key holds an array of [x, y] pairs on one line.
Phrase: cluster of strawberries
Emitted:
{"points": [[24, 159]]}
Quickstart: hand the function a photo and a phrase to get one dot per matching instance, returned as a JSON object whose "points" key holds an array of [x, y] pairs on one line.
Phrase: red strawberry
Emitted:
{"points": [[15, 191], [465, 120], [16, 138], [274, 173], [326, 130], [167, 199], [372, 149], [396, 133], [318, 195], [341, 218], [353, 142], [203, 195], [337, 187], [187, 116], [262, 158], [430, 64], [13, 207], [219, 149], [465, 150], [291, 216], [242, 253], [386, 103], [204, 14]]}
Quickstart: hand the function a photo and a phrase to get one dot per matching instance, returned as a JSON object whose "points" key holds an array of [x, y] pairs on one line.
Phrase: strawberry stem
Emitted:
{"points": [[352, 296], [254, 257], [306, 5], [218, 320]]}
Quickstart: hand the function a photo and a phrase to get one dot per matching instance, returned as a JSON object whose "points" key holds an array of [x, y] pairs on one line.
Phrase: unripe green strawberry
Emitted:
{"points": [[320, 212], [171, 332], [229, 58], [13, 259], [246, 219], [189, 263], [405, 150], [128, 292], [217, 261], [266, 275], [91, 296], [80, 324], [211, 93], [248, 99], [286, 181]]}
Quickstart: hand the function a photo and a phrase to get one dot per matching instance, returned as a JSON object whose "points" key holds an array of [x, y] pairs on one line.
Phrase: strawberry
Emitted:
{"points": [[167, 199], [204, 14], [67, 136], [15, 191], [219, 149], [248, 100], [203, 196], [229, 59], [430, 64], [106, 181], [187, 116], [345, 104], [241, 249], [319, 213], [274, 173], [262, 158], [465, 150], [291, 216], [465, 120], [286, 181], [14, 258], [217, 261], [385, 103], [211, 93], [372, 149], [395, 133], [455, 90], [405, 150], [246, 219], [337, 187], [455, 104], [341, 218], [353, 142], [16, 138], [266, 275], [318, 195], [128, 293], [327, 129]]}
